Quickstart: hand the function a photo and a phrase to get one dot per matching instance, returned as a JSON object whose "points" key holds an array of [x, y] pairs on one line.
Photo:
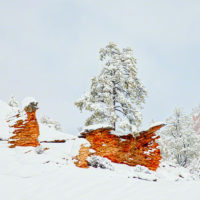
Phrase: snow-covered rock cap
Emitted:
{"points": [[154, 125], [135, 132], [90, 128], [27, 101]]}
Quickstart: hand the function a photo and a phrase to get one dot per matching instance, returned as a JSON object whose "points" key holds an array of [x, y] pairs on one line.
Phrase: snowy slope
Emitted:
{"points": [[50, 134], [52, 175]]}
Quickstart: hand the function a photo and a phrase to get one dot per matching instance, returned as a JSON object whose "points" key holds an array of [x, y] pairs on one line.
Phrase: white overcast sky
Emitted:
{"points": [[49, 50]]}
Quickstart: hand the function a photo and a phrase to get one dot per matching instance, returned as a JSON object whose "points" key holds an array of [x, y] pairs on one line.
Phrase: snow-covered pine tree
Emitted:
{"points": [[116, 94], [179, 142]]}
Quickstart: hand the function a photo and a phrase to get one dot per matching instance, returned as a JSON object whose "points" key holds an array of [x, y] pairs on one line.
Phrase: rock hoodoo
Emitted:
{"points": [[24, 126], [127, 149]]}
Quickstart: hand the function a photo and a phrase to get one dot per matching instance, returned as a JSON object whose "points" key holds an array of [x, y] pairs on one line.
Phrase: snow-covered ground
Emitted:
{"points": [[24, 174], [52, 175]]}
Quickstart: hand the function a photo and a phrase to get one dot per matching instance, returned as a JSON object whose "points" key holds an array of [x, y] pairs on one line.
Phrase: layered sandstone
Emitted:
{"points": [[26, 128], [129, 150], [82, 157]]}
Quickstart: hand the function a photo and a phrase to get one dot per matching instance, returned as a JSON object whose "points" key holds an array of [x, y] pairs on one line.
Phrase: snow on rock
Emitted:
{"points": [[118, 133], [87, 129], [27, 101], [153, 125], [135, 132], [78, 142]]}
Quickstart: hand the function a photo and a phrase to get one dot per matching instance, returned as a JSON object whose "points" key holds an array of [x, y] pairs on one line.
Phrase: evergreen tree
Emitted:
{"points": [[116, 94]]}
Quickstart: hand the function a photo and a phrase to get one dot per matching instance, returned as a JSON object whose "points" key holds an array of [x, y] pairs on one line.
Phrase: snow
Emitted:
{"points": [[50, 134], [146, 128], [119, 133], [90, 128], [87, 129], [95, 127], [157, 124], [24, 174], [48, 172]]}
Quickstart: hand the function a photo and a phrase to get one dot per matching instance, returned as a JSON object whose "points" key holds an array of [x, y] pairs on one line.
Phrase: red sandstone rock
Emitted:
{"points": [[129, 150], [82, 157], [26, 132]]}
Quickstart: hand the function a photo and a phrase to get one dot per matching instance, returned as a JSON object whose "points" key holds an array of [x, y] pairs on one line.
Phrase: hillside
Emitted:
{"points": [[25, 173]]}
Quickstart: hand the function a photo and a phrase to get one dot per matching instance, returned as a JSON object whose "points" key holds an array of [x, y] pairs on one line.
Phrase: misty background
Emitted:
{"points": [[49, 50]]}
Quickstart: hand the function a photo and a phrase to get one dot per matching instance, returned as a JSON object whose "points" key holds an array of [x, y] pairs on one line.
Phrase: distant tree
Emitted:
{"points": [[179, 142], [51, 123], [13, 102], [116, 94]]}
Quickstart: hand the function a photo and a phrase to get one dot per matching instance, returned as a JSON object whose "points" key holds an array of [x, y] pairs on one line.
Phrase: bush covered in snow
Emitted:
{"points": [[39, 149], [100, 162], [51, 123], [179, 142]]}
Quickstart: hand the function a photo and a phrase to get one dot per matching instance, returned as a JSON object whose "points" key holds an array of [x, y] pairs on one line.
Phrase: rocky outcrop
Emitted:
{"points": [[81, 159], [129, 150], [25, 128]]}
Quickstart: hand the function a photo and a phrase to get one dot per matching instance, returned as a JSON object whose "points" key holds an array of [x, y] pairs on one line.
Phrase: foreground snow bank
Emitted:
{"points": [[52, 175]]}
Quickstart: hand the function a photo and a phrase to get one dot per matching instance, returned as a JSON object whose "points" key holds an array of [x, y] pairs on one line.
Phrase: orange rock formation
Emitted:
{"points": [[26, 132], [82, 157], [129, 150]]}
